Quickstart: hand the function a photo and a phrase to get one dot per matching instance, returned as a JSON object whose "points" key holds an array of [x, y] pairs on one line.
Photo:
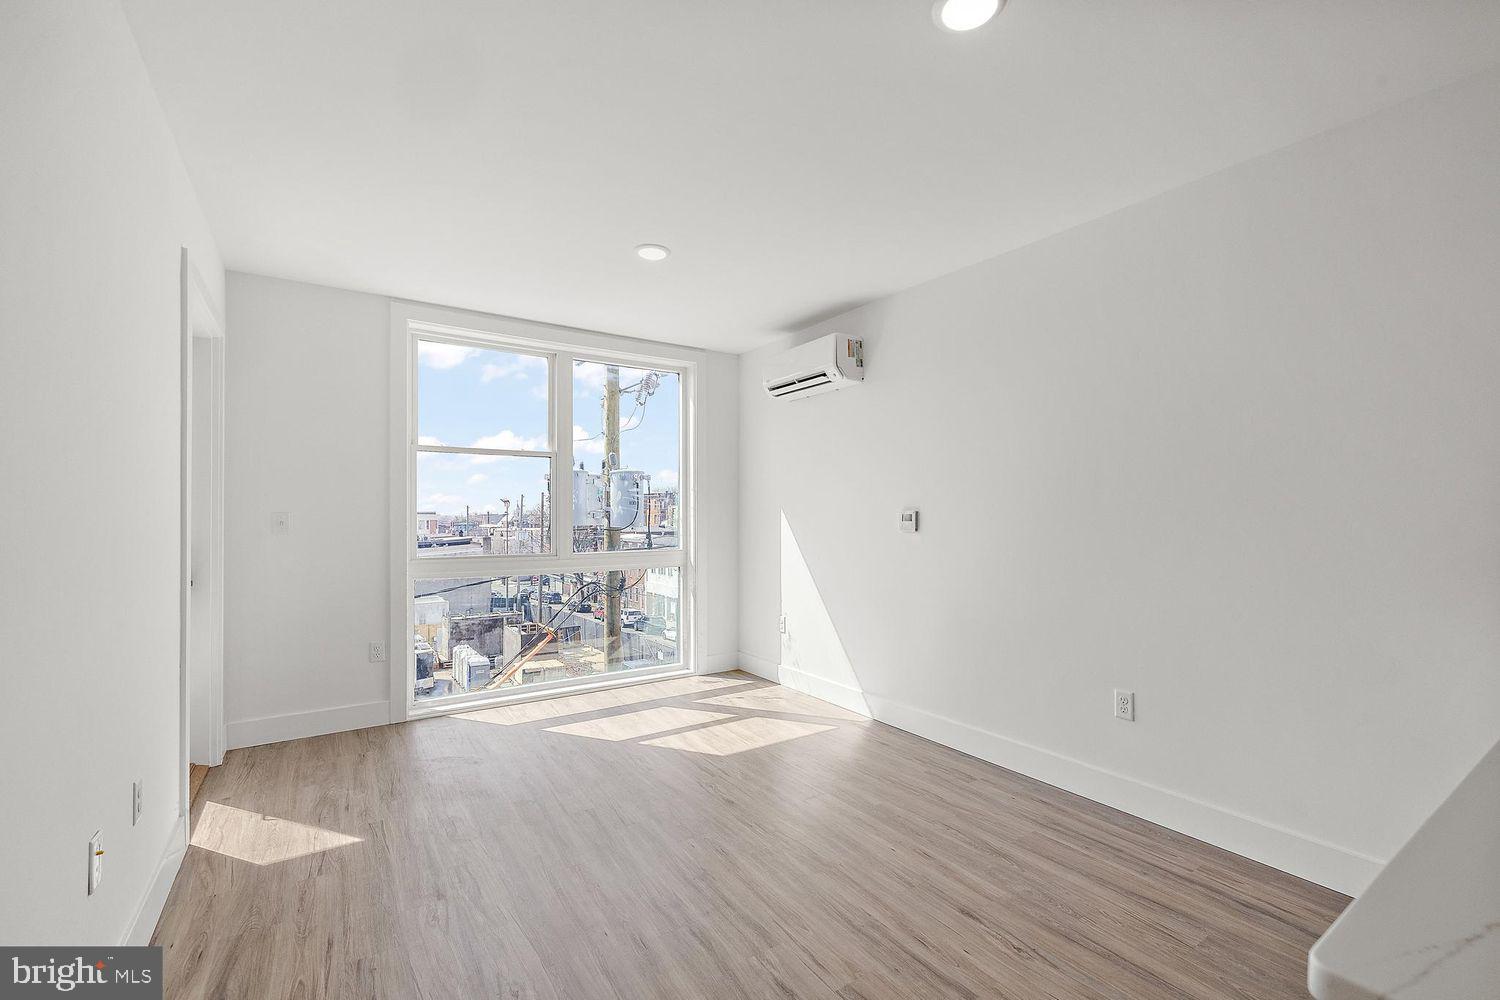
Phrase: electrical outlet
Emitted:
{"points": [[1125, 705], [96, 861], [377, 652], [137, 793], [781, 624]]}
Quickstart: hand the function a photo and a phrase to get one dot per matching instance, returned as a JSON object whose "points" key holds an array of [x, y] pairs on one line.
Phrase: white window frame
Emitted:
{"points": [[562, 346], [419, 334]]}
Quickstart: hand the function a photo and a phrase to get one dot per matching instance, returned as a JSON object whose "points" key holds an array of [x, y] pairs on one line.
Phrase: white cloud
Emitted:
{"points": [[666, 478], [430, 441], [506, 440], [585, 444], [589, 374], [440, 500], [592, 375], [477, 478], [514, 366], [539, 391], [443, 356], [509, 440]]}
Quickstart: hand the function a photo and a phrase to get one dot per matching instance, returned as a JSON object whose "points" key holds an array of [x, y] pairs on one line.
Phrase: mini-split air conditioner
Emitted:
{"points": [[821, 365]]}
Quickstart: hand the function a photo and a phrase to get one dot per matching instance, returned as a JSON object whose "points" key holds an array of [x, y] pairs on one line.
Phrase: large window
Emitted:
{"points": [[546, 522]]}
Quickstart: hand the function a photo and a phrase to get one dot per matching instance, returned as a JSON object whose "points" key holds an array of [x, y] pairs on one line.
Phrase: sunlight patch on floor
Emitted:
{"points": [[258, 839], [736, 737], [638, 724], [781, 699], [593, 701]]}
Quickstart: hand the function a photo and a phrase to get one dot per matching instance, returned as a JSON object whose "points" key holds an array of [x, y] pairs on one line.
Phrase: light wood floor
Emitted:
{"points": [[714, 837], [197, 774]]}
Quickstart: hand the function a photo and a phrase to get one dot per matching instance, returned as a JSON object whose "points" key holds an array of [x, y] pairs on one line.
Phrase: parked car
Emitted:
{"points": [[633, 618]]}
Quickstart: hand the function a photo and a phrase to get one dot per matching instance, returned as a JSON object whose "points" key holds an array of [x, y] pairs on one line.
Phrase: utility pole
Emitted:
{"points": [[615, 579]]}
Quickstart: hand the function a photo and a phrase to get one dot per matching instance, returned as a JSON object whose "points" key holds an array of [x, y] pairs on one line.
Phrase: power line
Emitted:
{"points": [[644, 389]]}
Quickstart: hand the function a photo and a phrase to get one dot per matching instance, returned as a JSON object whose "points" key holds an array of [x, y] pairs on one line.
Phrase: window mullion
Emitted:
{"points": [[428, 568], [562, 447], [444, 449]]}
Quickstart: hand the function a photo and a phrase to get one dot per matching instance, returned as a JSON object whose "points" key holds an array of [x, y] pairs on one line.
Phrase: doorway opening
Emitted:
{"points": [[201, 660]]}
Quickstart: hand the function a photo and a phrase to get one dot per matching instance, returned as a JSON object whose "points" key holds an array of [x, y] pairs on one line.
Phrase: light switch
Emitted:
{"points": [[281, 523], [96, 861]]}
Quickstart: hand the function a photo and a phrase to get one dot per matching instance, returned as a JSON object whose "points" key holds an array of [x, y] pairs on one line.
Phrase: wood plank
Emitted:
{"points": [[700, 837], [197, 774]]}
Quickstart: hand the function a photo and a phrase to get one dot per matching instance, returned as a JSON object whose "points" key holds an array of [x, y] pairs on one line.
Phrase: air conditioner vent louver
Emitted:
{"points": [[822, 365], [789, 387]]}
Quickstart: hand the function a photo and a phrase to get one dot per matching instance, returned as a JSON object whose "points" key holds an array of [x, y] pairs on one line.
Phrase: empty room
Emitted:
{"points": [[819, 500]]}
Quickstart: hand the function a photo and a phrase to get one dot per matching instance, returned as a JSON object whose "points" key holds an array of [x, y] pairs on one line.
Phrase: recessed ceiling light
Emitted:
{"points": [[652, 251], [964, 15]]}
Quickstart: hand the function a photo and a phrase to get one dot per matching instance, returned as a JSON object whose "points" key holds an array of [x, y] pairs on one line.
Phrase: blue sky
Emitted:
{"points": [[494, 399]]}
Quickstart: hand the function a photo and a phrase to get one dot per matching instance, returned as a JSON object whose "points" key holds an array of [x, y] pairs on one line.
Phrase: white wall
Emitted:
{"points": [[308, 422], [306, 417], [718, 510], [94, 210], [1234, 448]]}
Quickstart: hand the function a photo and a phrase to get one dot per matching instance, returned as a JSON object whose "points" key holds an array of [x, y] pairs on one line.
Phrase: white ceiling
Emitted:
{"points": [[798, 156]]}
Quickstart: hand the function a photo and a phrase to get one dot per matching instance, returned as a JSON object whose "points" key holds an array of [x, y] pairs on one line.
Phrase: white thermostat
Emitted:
{"points": [[909, 520]]}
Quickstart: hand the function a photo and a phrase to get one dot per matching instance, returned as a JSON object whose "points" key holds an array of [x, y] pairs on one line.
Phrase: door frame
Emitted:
{"points": [[203, 325]]}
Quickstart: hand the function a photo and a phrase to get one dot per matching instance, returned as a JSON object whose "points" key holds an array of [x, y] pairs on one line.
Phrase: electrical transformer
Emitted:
{"points": [[626, 502], [588, 498]]}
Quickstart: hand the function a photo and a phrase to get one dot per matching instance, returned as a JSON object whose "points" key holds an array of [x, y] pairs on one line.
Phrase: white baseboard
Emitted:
{"points": [[763, 669], [720, 662], [1306, 857], [842, 695], [149, 912], [296, 725]]}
